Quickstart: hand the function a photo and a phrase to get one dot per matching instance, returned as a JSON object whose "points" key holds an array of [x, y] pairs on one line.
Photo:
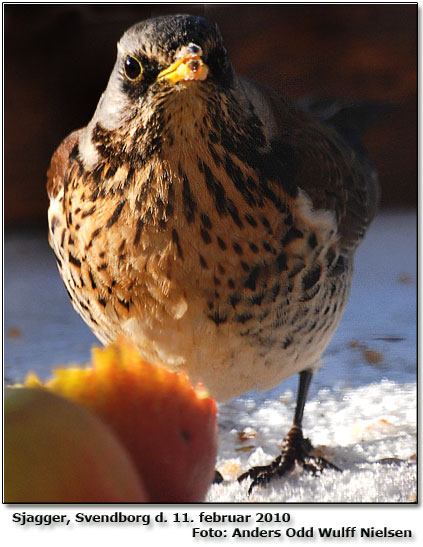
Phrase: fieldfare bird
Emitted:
{"points": [[209, 220]]}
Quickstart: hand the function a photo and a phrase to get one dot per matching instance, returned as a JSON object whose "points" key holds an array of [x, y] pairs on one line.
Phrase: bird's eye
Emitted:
{"points": [[133, 68]]}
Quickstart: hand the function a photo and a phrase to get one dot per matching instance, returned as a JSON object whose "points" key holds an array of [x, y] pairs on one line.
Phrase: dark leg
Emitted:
{"points": [[303, 385], [296, 449]]}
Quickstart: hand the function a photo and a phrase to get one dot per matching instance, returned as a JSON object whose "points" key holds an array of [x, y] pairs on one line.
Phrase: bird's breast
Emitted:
{"points": [[203, 264]]}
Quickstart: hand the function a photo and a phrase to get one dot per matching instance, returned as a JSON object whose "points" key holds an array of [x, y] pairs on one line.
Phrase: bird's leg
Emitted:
{"points": [[296, 449]]}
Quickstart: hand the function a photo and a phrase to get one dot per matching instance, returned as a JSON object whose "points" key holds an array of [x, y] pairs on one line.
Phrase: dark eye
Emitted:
{"points": [[133, 68]]}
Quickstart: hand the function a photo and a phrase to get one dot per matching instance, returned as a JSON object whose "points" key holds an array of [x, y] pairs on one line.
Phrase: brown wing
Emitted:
{"points": [[59, 163], [338, 179], [334, 175]]}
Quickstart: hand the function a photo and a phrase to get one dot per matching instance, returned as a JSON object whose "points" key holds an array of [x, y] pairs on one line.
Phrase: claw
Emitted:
{"points": [[296, 450]]}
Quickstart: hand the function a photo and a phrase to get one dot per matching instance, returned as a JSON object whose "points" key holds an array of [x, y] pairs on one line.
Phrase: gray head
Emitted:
{"points": [[146, 57]]}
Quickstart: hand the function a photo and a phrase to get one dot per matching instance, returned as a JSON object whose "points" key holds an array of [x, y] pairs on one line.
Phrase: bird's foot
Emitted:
{"points": [[296, 450]]}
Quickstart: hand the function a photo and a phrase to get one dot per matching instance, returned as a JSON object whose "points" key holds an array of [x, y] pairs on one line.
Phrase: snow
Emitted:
{"points": [[361, 410]]}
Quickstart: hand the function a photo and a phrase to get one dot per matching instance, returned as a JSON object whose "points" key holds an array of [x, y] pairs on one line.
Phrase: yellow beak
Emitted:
{"points": [[188, 66]]}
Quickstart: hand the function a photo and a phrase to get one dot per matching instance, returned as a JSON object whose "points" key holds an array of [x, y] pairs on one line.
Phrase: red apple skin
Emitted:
{"points": [[58, 452]]}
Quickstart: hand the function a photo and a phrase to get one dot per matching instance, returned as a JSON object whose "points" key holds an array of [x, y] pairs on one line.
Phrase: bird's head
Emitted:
{"points": [[164, 60], [173, 94]]}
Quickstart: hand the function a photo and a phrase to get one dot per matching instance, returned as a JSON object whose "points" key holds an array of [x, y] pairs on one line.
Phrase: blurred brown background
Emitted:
{"points": [[58, 59]]}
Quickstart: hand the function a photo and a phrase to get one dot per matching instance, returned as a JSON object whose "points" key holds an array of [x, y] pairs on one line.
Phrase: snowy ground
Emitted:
{"points": [[361, 412]]}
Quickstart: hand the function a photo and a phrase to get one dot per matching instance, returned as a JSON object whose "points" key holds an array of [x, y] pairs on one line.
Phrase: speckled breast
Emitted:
{"points": [[240, 292]]}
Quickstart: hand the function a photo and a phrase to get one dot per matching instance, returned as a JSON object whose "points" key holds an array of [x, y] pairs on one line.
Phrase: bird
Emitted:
{"points": [[210, 220]]}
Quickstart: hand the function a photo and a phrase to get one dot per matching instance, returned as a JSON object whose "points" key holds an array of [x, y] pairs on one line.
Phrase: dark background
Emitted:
{"points": [[58, 58]]}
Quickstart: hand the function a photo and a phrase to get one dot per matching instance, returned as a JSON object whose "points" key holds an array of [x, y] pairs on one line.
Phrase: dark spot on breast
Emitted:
{"points": [[235, 174], [217, 318], [116, 213], [251, 281], [124, 303], [288, 220], [311, 277], [102, 301], [251, 220], [274, 291], [101, 267], [203, 262], [129, 177], [93, 283], [233, 211], [298, 266], [312, 241], [221, 243], [263, 315], [257, 299], [205, 236], [93, 236], [231, 283], [111, 171], [206, 221], [243, 317], [215, 188], [89, 212], [74, 261], [97, 173], [287, 342], [307, 296], [245, 266], [237, 248], [292, 234], [281, 262], [175, 239], [221, 269], [265, 342], [266, 224], [216, 281], [253, 247], [188, 201], [212, 135], [234, 299], [216, 158], [140, 226], [94, 194]]}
